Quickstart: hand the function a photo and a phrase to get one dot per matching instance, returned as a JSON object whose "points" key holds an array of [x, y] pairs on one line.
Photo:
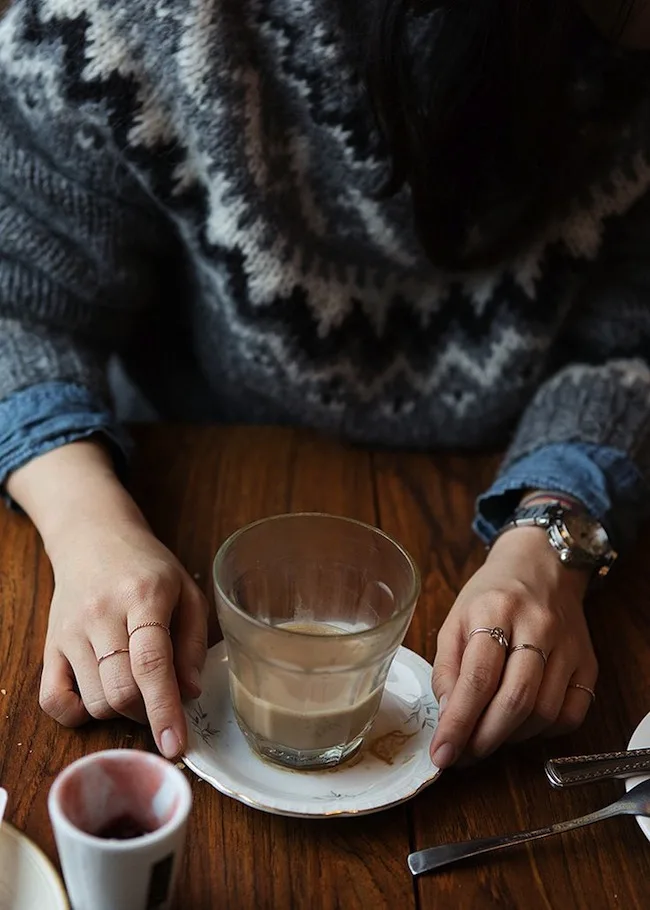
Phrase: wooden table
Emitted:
{"points": [[196, 486]]}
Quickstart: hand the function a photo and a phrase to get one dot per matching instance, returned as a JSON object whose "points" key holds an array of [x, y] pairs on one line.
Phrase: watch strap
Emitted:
{"points": [[537, 515], [548, 514]]}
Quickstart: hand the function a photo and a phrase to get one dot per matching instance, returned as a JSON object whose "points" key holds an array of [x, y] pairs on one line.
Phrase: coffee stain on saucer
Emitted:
{"points": [[387, 747]]}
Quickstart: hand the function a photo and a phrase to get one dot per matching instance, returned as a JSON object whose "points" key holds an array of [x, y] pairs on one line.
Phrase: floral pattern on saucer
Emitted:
{"points": [[392, 765]]}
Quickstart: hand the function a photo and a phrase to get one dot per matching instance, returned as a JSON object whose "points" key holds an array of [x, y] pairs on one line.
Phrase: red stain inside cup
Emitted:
{"points": [[125, 827], [119, 798]]}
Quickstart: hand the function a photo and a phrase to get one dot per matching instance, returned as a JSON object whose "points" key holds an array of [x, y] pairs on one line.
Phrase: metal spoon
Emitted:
{"points": [[3, 803], [635, 802]]}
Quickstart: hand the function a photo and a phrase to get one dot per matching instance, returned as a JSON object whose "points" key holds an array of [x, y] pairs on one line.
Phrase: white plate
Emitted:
{"points": [[28, 880], [392, 765], [640, 740]]}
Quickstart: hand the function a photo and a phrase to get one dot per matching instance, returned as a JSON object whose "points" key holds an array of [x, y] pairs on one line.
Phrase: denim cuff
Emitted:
{"points": [[41, 418], [605, 480]]}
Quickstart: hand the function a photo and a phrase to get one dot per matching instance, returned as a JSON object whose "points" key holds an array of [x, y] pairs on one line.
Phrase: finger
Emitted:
{"points": [[576, 703], [480, 673], [59, 696], [190, 638], [91, 690], [550, 696], [152, 665], [120, 688], [446, 666], [512, 704]]}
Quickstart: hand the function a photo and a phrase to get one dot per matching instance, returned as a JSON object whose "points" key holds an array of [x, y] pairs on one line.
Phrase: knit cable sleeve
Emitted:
{"points": [[82, 246]]}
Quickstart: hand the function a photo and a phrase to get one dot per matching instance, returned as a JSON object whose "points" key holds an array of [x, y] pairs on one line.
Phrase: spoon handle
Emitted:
{"points": [[437, 857], [580, 769]]}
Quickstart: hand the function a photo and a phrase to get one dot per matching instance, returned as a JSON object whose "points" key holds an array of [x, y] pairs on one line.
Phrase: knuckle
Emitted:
{"points": [[547, 712], [144, 588], [123, 696], [512, 602], [197, 640], [508, 601], [570, 718], [480, 679], [160, 711], [55, 704], [550, 624], [99, 709], [518, 701], [194, 650], [544, 625], [95, 610], [148, 661], [440, 674]]}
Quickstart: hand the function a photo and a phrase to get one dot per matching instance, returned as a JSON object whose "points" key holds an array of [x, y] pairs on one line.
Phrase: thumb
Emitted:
{"points": [[190, 638]]}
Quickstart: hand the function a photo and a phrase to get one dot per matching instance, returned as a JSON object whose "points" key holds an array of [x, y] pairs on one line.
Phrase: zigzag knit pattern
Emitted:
{"points": [[225, 150]]}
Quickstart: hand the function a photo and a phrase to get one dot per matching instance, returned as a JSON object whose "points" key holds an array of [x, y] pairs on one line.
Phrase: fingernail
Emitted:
{"points": [[170, 744], [442, 704], [444, 756]]}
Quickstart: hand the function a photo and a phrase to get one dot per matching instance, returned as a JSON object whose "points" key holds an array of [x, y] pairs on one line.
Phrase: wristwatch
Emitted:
{"points": [[580, 540]]}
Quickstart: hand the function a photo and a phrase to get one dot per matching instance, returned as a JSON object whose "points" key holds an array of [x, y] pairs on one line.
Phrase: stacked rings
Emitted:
{"points": [[143, 625], [500, 637]]}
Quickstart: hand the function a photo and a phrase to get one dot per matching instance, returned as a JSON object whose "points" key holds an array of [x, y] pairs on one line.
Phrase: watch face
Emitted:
{"points": [[587, 534]]}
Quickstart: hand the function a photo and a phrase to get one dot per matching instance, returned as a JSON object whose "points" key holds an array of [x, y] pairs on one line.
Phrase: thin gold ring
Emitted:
{"points": [[496, 633], [584, 689], [149, 625], [527, 647], [112, 654]]}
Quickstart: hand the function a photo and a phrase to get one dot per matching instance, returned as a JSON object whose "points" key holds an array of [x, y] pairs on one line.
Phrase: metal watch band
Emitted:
{"points": [[540, 515], [535, 516], [550, 516]]}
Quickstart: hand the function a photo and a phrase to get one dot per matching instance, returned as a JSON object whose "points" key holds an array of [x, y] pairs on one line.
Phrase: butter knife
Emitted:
{"points": [[582, 769]]}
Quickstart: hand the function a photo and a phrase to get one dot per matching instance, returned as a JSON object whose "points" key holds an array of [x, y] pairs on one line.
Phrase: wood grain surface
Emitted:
{"points": [[197, 485]]}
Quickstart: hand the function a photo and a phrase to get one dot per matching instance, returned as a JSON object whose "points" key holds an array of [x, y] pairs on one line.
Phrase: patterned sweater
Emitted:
{"points": [[193, 184]]}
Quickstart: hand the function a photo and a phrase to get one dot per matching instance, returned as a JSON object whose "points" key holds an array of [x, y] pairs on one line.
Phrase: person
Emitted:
{"points": [[407, 223]]}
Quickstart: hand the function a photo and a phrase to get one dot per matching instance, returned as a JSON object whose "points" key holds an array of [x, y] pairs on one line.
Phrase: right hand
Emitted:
{"points": [[110, 578], [488, 694]]}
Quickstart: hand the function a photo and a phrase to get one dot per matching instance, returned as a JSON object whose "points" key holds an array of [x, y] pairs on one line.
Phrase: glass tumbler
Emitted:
{"points": [[313, 608]]}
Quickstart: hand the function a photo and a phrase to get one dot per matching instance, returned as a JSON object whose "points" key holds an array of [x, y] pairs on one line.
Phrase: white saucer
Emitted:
{"points": [[392, 765], [28, 880], [640, 740]]}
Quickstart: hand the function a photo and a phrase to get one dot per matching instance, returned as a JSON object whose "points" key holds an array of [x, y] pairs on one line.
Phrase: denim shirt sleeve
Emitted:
{"points": [[604, 479], [40, 418]]}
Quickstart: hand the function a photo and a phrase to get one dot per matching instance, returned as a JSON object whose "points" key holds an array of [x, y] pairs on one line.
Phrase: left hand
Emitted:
{"points": [[488, 696]]}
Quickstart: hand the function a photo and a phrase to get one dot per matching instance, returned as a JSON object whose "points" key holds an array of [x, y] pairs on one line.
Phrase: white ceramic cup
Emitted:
{"points": [[99, 806]]}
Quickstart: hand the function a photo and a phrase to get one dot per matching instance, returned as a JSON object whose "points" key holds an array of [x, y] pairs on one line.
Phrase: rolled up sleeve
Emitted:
{"points": [[604, 479], [43, 417]]}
